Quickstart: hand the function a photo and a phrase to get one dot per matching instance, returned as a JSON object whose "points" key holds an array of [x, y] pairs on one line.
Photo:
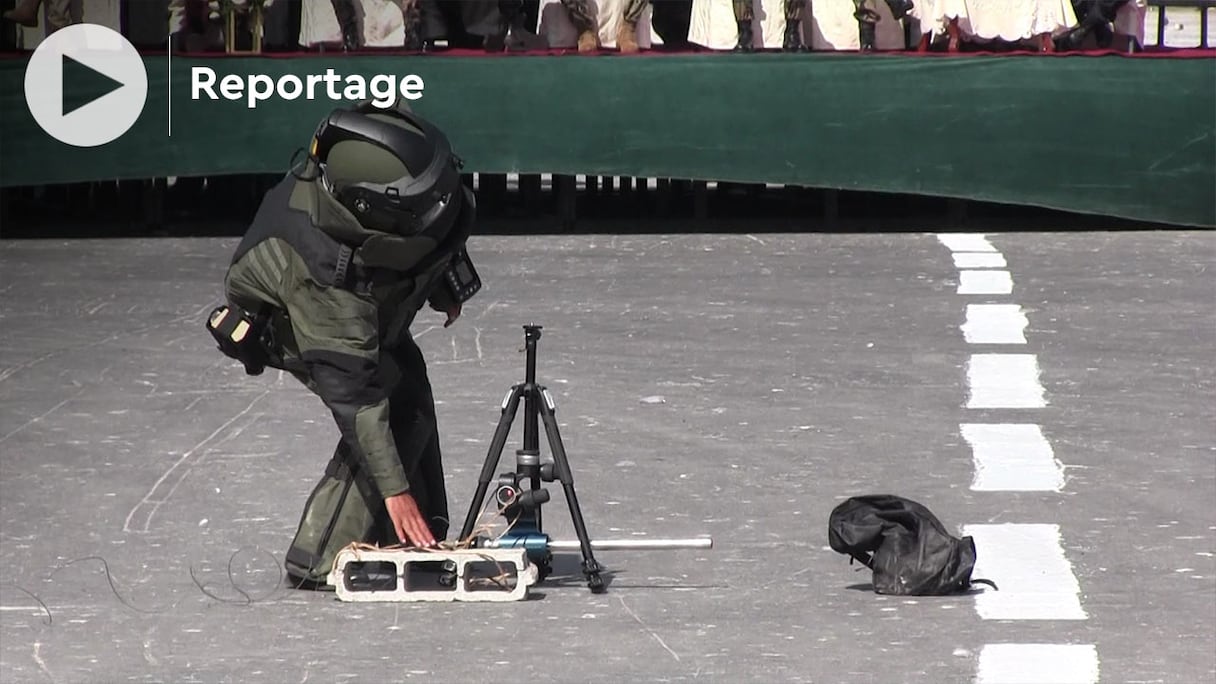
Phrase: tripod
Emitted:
{"points": [[523, 505]]}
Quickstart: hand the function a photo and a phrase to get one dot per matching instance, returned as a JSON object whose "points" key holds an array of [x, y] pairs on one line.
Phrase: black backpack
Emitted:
{"points": [[906, 546]]}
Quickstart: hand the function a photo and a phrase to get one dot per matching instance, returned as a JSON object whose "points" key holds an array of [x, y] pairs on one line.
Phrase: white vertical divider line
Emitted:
{"points": [[1004, 381], [1038, 664], [1028, 559], [1011, 457], [979, 260], [995, 324], [987, 282], [1027, 562], [966, 242]]}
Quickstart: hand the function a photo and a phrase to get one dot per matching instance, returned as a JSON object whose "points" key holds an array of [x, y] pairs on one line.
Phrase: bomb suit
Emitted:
{"points": [[334, 270], [794, 10]]}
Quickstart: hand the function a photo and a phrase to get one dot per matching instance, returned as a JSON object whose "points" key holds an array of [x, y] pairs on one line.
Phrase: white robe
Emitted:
{"points": [[1011, 20], [106, 13], [383, 24], [1129, 21], [830, 26]]}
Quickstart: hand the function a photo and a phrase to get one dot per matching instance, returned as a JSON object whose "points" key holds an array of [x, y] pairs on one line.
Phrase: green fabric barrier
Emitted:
{"points": [[1127, 137]]}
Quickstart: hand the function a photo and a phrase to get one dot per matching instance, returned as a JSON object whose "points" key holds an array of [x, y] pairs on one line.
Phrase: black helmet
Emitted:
{"points": [[390, 168]]}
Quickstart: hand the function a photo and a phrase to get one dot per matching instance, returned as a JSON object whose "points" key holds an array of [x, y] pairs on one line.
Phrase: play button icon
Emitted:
{"points": [[86, 85]]}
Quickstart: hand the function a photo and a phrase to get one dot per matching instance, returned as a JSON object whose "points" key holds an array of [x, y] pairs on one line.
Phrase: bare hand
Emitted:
{"points": [[407, 520]]}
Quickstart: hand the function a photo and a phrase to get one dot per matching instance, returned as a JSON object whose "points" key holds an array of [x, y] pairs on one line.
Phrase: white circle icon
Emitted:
{"points": [[86, 85]]}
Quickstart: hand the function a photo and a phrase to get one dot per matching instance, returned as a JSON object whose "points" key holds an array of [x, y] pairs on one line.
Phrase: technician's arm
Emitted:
{"points": [[338, 340]]}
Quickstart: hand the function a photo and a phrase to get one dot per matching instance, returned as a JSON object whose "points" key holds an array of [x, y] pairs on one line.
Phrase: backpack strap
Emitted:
{"points": [[984, 581], [865, 559]]}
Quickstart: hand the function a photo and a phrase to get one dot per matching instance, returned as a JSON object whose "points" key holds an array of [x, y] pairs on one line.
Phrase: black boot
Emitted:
{"points": [[865, 32], [1104, 36], [413, 28], [745, 43], [793, 37], [517, 37], [1071, 40], [348, 21], [899, 8]]}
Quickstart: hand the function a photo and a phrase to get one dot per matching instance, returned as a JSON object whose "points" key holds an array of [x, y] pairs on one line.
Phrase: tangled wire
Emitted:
{"points": [[247, 598]]}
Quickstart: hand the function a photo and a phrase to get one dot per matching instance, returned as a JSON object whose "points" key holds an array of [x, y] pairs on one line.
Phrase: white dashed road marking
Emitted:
{"points": [[979, 260], [1012, 458], [995, 324], [1027, 561], [1038, 664], [984, 282], [1004, 381]]}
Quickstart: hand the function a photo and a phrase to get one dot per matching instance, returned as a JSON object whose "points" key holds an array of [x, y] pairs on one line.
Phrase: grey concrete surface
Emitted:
{"points": [[736, 386]]}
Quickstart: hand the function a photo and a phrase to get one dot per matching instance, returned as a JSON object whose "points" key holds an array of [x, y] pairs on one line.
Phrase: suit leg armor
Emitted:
{"points": [[341, 509], [345, 505]]}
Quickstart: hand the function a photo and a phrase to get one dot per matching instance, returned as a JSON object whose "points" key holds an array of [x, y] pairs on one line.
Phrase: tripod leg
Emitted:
{"points": [[591, 568], [510, 407]]}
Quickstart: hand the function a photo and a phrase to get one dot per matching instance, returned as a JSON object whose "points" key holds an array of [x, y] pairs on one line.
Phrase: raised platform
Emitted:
{"points": [[1129, 137]]}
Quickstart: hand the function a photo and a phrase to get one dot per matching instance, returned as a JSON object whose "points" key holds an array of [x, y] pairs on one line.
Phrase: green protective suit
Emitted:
{"points": [[341, 299]]}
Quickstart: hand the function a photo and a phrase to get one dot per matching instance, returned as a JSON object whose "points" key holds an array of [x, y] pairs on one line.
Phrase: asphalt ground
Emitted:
{"points": [[731, 386]]}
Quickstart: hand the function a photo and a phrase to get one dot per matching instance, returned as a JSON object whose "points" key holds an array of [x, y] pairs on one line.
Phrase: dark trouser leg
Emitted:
{"points": [[744, 14], [1093, 16], [794, 11], [513, 27], [866, 19], [25, 13], [899, 8], [434, 23], [411, 13], [348, 22]]}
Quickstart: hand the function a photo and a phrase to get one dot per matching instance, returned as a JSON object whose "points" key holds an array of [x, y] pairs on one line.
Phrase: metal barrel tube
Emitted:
{"points": [[634, 544]]}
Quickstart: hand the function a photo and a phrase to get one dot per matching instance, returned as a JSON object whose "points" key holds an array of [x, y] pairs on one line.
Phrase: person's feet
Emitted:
{"points": [[588, 41], [627, 38]]}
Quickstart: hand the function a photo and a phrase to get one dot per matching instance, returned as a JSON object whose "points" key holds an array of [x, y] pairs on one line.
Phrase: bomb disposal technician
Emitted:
{"points": [[339, 259]]}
